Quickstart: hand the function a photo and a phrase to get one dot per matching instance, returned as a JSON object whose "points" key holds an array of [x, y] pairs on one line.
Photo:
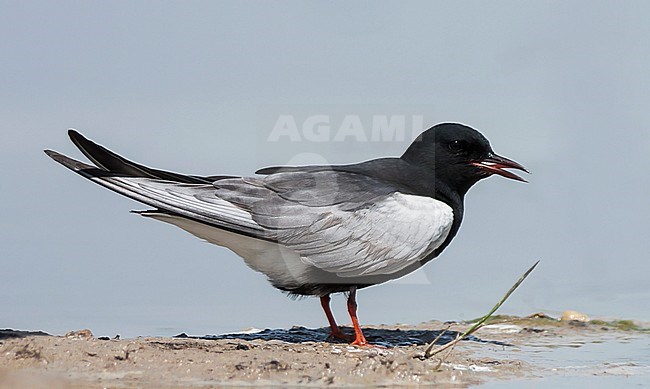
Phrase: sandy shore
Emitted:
{"points": [[296, 356]]}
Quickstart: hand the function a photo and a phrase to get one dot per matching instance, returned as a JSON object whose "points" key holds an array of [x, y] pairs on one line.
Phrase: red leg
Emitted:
{"points": [[335, 331], [359, 340]]}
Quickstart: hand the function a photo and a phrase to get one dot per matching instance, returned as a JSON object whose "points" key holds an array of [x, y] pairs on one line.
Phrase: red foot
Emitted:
{"points": [[364, 343], [361, 342]]}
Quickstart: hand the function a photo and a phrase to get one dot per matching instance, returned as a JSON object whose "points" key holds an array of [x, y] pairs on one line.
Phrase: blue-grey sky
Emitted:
{"points": [[195, 87]]}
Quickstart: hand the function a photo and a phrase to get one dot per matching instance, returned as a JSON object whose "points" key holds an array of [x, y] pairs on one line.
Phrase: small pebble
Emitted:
{"points": [[574, 316]]}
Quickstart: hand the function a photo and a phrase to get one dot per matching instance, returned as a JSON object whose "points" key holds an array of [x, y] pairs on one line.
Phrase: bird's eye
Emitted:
{"points": [[458, 146]]}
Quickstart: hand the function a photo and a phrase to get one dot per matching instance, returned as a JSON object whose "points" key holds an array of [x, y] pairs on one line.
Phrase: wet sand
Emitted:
{"points": [[504, 350]]}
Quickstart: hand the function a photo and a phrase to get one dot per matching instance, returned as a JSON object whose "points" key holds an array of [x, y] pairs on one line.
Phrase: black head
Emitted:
{"points": [[459, 156]]}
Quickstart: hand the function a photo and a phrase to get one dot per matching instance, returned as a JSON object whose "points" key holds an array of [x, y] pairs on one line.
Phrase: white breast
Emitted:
{"points": [[382, 239]]}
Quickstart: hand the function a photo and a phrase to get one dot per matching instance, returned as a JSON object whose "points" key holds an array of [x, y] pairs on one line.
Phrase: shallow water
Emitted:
{"points": [[595, 359]]}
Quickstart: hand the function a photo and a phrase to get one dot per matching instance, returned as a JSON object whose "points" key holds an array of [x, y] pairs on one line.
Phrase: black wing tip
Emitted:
{"points": [[51, 153], [72, 133], [58, 157], [284, 169], [266, 170], [79, 140], [68, 162]]}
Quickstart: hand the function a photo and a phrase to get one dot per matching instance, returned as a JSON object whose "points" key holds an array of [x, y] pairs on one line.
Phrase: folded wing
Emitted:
{"points": [[340, 222]]}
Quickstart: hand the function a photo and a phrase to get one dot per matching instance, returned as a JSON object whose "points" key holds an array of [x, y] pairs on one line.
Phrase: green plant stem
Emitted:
{"points": [[429, 352]]}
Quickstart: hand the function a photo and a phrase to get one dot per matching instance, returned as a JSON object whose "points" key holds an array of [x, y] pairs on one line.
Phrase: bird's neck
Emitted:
{"points": [[451, 197]]}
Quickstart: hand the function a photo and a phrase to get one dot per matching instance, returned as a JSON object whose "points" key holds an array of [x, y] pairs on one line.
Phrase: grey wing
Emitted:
{"points": [[340, 222], [344, 223]]}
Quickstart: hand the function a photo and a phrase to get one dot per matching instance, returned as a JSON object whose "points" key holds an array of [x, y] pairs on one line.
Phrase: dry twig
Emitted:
{"points": [[430, 351]]}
